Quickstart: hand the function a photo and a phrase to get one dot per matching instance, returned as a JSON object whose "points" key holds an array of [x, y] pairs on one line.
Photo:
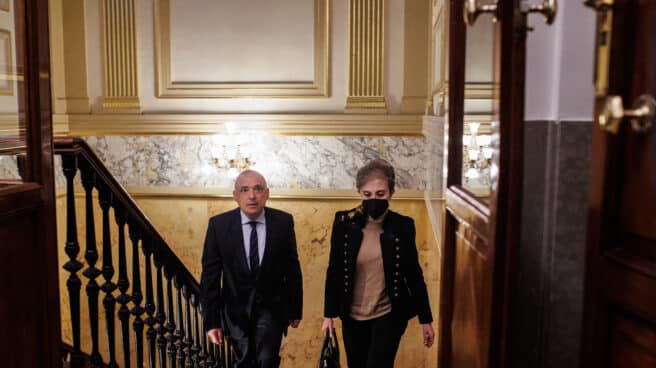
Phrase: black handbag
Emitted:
{"points": [[329, 352]]}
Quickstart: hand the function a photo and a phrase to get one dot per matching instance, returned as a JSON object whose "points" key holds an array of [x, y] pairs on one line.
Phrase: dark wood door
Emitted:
{"points": [[29, 303], [482, 222], [620, 288]]}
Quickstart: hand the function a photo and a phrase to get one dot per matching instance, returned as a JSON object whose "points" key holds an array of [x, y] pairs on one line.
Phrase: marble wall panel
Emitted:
{"points": [[9, 168], [434, 127], [286, 161]]}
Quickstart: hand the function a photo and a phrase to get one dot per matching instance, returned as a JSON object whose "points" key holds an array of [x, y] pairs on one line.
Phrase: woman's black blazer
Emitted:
{"points": [[404, 280]]}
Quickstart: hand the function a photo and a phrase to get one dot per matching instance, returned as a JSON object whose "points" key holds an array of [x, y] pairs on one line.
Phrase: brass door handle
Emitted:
{"points": [[548, 8], [472, 10], [642, 114], [599, 5], [604, 37]]}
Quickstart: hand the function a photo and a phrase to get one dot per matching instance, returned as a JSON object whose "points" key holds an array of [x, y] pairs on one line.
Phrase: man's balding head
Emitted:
{"points": [[251, 193], [249, 172]]}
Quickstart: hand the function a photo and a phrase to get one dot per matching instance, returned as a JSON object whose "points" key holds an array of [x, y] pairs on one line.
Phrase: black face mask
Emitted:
{"points": [[374, 207]]}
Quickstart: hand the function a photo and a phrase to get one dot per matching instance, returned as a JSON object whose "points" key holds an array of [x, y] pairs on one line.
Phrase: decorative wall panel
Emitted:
{"points": [[237, 49]]}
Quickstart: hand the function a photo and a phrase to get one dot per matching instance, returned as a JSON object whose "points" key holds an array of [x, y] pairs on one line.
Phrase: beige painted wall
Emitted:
{"points": [[182, 222], [216, 42], [195, 26]]}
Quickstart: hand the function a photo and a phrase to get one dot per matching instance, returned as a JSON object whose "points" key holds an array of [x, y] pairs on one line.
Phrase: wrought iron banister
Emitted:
{"points": [[169, 330], [72, 145]]}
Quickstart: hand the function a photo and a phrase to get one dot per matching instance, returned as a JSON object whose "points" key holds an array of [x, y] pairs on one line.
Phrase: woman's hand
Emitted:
{"points": [[429, 334], [327, 327]]}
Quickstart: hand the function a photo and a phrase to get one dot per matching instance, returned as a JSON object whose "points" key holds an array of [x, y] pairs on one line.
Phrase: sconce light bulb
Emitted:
{"points": [[471, 173], [484, 140], [473, 127], [487, 152], [473, 154]]}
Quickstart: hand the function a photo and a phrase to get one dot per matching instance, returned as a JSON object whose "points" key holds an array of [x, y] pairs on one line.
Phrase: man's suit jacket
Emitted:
{"points": [[404, 280], [229, 291]]}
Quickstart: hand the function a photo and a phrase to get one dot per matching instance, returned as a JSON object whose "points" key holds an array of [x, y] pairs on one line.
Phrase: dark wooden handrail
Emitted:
{"points": [[65, 145]]}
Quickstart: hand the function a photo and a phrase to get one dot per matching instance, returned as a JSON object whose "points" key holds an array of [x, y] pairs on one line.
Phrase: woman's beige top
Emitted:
{"points": [[369, 297]]}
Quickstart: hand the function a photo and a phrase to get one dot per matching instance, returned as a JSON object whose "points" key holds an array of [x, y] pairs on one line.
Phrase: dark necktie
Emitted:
{"points": [[254, 257]]}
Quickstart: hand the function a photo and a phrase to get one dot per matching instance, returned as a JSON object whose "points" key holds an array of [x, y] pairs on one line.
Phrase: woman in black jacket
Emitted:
{"points": [[374, 282]]}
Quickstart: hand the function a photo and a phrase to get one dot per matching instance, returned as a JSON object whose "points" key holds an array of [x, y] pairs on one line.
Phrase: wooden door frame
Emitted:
{"points": [[604, 206], [505, 202], [35, 198]]}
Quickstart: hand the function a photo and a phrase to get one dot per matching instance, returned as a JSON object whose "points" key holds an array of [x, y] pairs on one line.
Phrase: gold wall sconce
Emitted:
{"points": [[232, 163]]}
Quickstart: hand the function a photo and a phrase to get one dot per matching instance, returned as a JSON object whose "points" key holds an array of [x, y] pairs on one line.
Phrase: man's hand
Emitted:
{"points": [[294, 323], [327, 327], [216, 336], [429, 334]]}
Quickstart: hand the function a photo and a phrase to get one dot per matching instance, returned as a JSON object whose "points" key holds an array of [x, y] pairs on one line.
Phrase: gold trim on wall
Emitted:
{"points": [[416, 56], [7, 74], [166, 87], [12, 135], [473, 91], [439, 84], [277, 193], [120, 56], [435, 208], [280, 124], [68, 56], [310, 194], [433, 126], [366, 84], [9, 124], [479, 91]]}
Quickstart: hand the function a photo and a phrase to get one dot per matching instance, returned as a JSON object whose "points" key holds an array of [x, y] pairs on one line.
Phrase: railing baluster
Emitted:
{"points": [[220, 360], [151, 334], [202, 356], [137, 296], [195, 348], [72, 248], [210, 362], [91, 256], [123, 284], [179, 332], [105, 201], [224, 354], [170, 322], [160, 316], [187, 327], [227, 353]]}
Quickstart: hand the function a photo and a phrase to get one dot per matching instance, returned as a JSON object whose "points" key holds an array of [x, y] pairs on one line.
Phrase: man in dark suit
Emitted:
{"points": [[251, 283]]}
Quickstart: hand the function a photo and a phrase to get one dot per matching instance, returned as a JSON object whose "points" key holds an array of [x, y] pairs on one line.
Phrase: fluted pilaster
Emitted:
{"points": [[366, 91], [120, 53]]}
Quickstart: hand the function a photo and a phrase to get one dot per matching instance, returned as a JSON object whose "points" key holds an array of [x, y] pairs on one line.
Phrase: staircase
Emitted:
{"points": [[174, 332]]}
